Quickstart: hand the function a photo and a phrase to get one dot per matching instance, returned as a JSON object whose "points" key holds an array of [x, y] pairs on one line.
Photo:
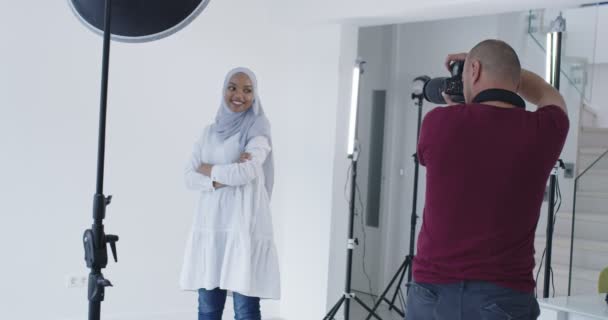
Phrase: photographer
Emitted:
{"points": [[487, 162]]}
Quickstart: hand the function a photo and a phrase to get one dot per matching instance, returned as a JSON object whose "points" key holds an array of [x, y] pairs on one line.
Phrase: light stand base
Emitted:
{"points": [[345, 301]]}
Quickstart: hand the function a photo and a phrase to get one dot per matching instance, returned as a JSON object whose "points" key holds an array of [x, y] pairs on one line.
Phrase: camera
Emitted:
{"points": [[452, 86]]}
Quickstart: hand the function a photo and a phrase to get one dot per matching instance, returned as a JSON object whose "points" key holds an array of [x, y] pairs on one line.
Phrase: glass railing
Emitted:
{"points": [[580, 238], [579, 43], [589, 225], [573, 71]]}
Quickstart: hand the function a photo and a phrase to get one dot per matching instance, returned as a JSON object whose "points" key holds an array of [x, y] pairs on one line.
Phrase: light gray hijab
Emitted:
{"points": [[251, 123]]}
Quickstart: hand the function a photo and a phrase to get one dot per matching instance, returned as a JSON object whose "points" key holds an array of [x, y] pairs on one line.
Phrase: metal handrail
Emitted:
{"points": [[592, 164]]}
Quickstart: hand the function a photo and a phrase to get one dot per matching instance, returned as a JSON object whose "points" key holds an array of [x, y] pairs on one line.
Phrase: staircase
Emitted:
{"points": [[591, 225]]}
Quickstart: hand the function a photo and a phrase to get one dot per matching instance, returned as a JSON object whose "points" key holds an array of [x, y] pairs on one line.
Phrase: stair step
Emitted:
{"points": [[593, 137], [584, 281], [592, 202], [595, 130], [595, 180], [588, 254], [577, 273], [592, 150], [588, 226], [586, 265], [589, 155]]}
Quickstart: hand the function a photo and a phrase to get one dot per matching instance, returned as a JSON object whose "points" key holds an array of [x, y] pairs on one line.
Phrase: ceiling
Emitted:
{"points": [[376, 12]]}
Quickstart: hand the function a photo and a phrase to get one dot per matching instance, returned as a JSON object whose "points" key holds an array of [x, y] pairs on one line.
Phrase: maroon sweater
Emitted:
{"points": [[486, 168]]}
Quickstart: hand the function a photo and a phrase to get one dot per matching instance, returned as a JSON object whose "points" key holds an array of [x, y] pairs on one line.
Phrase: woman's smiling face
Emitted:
{"points": [[239, 93]]}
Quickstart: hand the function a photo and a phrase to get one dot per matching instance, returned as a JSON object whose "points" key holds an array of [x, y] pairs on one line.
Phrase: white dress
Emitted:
{"points": [[231, 243]]}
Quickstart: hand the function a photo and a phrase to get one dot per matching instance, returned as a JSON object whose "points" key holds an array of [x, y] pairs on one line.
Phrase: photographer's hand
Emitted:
{"points": [[448, 99], [454, 57]]}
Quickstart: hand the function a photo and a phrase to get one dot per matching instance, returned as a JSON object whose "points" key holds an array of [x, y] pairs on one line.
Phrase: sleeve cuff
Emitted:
{"points": [[212, 175], [209, 185]]}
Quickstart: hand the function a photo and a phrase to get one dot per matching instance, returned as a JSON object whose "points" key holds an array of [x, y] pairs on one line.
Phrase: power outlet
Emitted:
{"points": [[76, 281]]}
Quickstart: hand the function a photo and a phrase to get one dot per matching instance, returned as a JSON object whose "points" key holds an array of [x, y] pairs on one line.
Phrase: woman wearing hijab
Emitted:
{"points": [[231, 246]]}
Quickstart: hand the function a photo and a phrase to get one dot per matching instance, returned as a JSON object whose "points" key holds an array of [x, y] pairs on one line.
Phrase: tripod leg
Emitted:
{"points": [[388, 288], [399, 311], [372, 313], [409, 272], [395, 308], [347, 309], [408, 268], [334, 310]]}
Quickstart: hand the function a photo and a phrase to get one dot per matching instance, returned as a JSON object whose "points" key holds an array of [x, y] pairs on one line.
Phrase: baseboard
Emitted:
{"points": [[176, 315]]}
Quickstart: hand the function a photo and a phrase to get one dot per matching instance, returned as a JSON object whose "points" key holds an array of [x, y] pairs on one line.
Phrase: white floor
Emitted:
{"points": [[359, 313]]}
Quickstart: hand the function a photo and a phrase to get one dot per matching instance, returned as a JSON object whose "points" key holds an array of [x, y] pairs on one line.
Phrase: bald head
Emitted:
{"points": [[498, 60], [491, 64]]}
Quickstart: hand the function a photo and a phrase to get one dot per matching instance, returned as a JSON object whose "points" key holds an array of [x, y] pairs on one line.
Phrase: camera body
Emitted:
{"points": [[452, 86]]}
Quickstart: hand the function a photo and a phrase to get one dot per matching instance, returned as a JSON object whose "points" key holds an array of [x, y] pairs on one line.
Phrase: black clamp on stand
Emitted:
{"points": [[96, 255], [95, 239]]}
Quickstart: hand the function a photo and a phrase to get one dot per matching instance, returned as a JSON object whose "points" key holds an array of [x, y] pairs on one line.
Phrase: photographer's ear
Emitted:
{"points": [[475, 71]]}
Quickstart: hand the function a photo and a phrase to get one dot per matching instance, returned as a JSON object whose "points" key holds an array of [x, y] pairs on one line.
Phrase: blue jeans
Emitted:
{"points": [[469, 300], [211, 305]]}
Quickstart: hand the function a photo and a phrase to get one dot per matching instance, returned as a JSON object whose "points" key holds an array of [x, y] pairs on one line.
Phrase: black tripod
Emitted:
{"points": [[352, 242], [95, 240], [406, 266], [550, 227]]}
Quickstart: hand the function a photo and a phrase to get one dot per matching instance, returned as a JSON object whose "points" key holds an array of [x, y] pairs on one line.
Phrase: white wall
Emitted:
{"points": [[312, 78], [601, 52], [161, 96]]}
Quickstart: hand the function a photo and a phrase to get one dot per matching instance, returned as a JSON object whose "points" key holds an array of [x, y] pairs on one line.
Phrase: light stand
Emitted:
{"points": [[134, 21], [418, 96], [553, 70], [550, 226], [353, 155], [95, 239]]}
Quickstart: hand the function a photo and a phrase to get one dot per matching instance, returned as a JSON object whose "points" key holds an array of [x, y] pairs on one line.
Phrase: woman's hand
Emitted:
{"points": [[245, 157], [205, 169], [218, 185]]}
